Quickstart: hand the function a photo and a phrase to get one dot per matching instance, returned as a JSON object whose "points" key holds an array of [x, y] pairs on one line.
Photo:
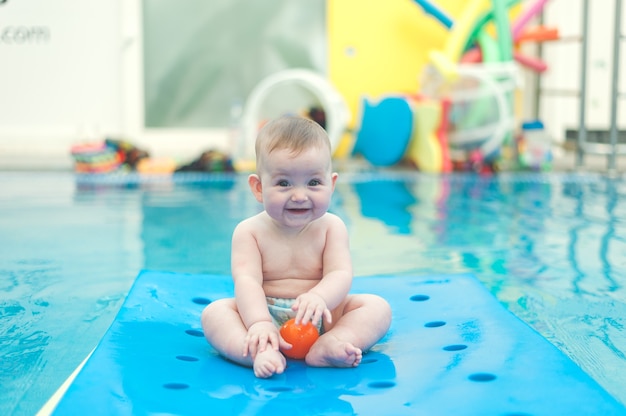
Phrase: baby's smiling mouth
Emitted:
{"points": [[297, 210]]}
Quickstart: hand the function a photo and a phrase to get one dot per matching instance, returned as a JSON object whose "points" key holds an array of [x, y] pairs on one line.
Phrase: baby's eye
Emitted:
{"points": [[283, 183], [315, 182]]}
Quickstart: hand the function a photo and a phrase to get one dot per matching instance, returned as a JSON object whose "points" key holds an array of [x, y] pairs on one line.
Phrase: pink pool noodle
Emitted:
{"points": [[525, 16], [535, 64], [442, 135]]}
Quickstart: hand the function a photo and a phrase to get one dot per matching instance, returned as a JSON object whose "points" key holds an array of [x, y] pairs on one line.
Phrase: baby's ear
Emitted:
{"points": [[254, 182], [333, 178]]}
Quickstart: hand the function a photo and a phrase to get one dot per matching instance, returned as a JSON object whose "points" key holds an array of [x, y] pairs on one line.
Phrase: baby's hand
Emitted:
{"points": [[311, 307], [261, 335]]}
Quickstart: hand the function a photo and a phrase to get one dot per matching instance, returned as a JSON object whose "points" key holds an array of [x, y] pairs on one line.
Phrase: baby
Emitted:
{"points": [[293, 260]]}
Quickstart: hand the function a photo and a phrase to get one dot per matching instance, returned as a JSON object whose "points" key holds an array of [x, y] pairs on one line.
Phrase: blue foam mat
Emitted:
{"points": [[452, 350]]}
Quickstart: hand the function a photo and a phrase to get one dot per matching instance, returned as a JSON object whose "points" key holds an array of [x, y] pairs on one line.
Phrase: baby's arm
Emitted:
{"points": [[249, 295], [336, 276]]}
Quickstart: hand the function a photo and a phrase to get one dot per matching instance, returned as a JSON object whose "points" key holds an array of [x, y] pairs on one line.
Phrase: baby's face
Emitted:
{"points": [[297, 188]]}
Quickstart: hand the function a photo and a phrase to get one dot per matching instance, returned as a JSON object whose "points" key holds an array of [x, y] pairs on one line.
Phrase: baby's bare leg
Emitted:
{"points": [[225, 331], [365, 320]]}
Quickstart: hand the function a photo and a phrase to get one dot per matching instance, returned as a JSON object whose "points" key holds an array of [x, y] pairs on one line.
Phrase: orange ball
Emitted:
{"points": [[301, 337]]}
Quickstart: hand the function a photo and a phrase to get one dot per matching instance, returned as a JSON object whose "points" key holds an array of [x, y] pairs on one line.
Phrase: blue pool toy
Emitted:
{"points": [[432, 9], [452, 350], [385, 130]]}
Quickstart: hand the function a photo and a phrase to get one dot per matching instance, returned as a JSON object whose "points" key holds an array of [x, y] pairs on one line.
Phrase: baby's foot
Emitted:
{"points": [[330, 351], [268, 363]]}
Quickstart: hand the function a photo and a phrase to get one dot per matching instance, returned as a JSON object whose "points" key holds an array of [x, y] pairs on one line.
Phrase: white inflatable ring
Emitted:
{"points": [[335, 108]]}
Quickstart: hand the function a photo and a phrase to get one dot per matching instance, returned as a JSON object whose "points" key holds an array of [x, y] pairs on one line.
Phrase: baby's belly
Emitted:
{"points": [[287, 288]]}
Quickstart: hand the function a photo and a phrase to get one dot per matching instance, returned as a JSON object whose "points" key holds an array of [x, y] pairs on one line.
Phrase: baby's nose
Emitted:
{"points": [[298, 195]]}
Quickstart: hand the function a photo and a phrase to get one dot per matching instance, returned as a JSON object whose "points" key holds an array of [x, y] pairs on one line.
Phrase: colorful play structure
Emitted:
{"points": [[464, 113], [462, 116]]}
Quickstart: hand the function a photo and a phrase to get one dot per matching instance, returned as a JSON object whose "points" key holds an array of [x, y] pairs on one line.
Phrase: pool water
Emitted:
{"points": [[550, 247]]}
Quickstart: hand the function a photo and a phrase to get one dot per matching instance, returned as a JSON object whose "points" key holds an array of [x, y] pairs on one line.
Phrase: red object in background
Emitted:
{"points": [[538, 34], [301, 337], [442, 135]]}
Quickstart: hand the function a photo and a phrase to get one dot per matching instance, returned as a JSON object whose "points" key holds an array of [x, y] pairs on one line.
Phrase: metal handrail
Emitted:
{"points": [[611, 149]]}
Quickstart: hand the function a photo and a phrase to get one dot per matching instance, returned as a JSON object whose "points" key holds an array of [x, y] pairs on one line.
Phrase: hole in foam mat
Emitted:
{"points": [[187, 358], [201, 301], [195, 332], [369, 360], [455, 347], [434, 324], [419, 298], [279, 389], [381, 384], [176, 386], [482, 377]]}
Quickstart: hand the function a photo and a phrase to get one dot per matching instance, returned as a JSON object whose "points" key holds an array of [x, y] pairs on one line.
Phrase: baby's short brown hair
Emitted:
{"points": [[292, 133]]}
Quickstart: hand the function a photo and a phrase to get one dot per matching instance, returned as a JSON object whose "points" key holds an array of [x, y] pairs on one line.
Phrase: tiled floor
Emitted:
{"points": [[565, 161]]}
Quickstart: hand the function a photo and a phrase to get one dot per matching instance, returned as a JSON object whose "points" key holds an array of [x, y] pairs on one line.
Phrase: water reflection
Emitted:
{"points": [[530, 230], [387, 201], [188, 228]]}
